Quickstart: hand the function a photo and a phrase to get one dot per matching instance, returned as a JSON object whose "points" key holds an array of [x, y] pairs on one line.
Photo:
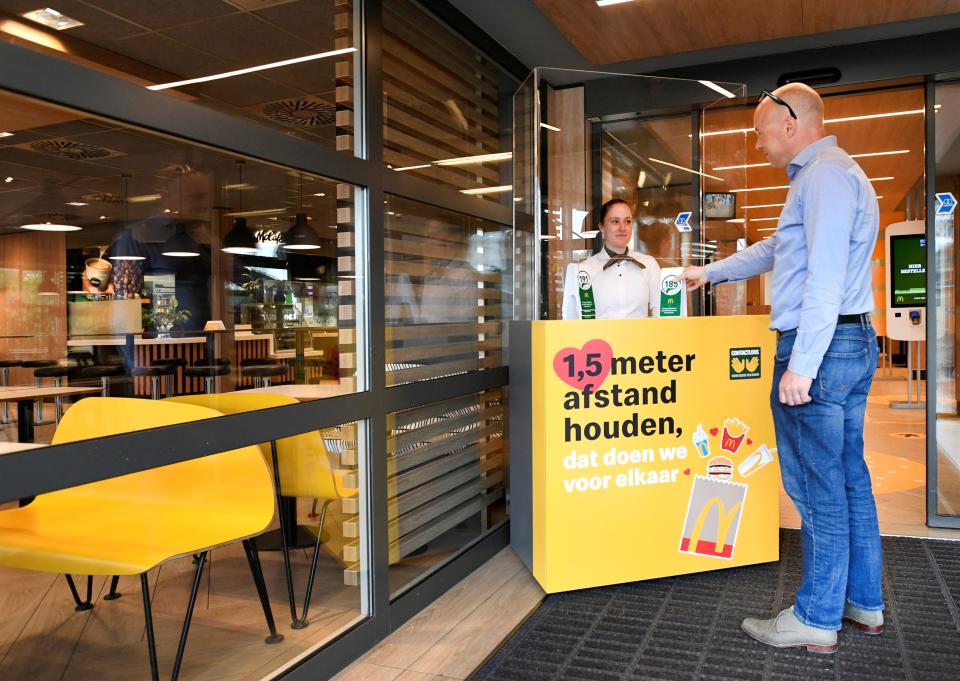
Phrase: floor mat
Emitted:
{"points": [[688, 627]]}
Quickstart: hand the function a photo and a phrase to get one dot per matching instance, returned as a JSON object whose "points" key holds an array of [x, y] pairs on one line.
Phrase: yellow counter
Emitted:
{"points": [[641, 448]]}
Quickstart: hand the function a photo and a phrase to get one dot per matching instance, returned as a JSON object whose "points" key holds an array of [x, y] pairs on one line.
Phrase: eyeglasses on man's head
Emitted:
{"points": [[765, 93]]}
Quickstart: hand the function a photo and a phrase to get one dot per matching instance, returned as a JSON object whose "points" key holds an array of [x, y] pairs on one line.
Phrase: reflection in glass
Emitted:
{"points": [[448, 292], [447, 471], [945, 279], [180, 274]]}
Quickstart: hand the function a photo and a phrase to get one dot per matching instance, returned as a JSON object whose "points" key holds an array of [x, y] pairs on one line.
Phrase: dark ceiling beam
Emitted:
{"points": [[523, 30]]}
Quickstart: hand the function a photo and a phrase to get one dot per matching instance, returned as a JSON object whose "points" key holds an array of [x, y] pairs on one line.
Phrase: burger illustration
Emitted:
{"points": [[720, 467]]}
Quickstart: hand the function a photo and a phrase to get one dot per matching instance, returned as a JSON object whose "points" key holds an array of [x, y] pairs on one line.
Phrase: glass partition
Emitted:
{"points": [[44, 638], [446, 106], [583, 138], [944, 409], [447, 281], [133, 264], [447, 474]]}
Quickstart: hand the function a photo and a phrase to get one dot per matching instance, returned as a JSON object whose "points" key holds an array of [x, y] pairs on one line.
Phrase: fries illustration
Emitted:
{"points": [[734, 432]]}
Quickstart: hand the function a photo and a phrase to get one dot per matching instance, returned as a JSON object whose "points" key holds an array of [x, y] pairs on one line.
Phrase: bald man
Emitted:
{"points": [[826, 358]]}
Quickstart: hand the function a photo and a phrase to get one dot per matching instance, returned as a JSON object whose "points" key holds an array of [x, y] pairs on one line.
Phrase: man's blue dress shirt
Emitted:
{"points": [[820, 254]]}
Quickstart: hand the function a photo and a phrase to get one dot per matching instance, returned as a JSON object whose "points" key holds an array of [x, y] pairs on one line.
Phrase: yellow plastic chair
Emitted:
{"points": [[130, 524], [305, 471]]}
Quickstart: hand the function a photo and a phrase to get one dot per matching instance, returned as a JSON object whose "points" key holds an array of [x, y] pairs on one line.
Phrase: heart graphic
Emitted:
{"points": [[588, 366], [749, 441], [714, 431], [686, 471]]}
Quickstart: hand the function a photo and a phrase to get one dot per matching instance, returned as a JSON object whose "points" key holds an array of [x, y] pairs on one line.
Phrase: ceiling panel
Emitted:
{"points": [[155, 15], [650, 28], [242, 40], [636, 30], [831, 15], [164, 53]]}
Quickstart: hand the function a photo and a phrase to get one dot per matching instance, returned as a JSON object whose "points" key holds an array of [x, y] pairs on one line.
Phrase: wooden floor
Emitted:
{"points": [[42, 638], [456, 634]]}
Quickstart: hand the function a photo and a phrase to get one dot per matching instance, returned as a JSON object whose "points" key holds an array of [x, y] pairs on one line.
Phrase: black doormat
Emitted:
{"points": [[689, 627]]}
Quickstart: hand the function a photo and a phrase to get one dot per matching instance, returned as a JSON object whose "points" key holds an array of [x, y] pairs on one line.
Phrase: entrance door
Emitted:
{"points": [[943, 431]]}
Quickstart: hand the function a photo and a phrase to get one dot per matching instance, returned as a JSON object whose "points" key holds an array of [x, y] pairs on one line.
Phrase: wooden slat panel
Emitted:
{"points": [[415, 268], [454, 291], [443, 426], [402, 462], [421, 495], [418, 476], [430, 512], [414, 540], [427, 351], [442, 369], [397, 333]]}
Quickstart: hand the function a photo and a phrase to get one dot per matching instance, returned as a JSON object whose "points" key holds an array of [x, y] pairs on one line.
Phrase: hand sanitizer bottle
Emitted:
{"points": [[700, 441]]}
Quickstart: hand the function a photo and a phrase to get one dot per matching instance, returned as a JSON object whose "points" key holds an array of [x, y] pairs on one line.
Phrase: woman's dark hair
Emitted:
{"points": [[604, 209]]}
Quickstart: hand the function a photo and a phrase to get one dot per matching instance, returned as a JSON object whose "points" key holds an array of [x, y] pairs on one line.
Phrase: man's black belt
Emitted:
{"points": [[862, 318]]}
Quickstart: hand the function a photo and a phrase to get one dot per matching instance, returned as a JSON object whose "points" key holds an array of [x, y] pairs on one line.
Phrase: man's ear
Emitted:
{"points": [[791, 127]]}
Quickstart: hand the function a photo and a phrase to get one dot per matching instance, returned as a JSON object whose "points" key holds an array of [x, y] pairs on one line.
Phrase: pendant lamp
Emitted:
{"points": [[239, 240], [124, 245], [46, 211], [301, 237], [181, 244]]}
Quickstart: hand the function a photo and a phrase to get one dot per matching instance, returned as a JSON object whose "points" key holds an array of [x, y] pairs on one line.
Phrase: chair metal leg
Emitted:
{"points": [[287, 569], [4, 382], [104, 386], [188, 617], [154, 387], [57, 402], [81, 605], [170, 383], [313, 566], [148, 620], [250, 547], [114, 594]]}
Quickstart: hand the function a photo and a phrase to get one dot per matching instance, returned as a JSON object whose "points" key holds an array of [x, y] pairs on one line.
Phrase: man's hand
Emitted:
{"points": [[794, 389], [695, 277]]}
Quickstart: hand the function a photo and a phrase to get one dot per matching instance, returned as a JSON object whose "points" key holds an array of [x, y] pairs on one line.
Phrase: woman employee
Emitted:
{"points": [[625, 283]]}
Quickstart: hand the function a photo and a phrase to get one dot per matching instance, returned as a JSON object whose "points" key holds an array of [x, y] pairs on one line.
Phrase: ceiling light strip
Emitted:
{"points": [[488, 190], [480, 158], [845, 119], [252, 69], [716, 88], [688, 170]]}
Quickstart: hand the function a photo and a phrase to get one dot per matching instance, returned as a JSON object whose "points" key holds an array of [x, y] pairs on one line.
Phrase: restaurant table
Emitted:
{"points": [[297, 535], [304, 392], [25, 395]]}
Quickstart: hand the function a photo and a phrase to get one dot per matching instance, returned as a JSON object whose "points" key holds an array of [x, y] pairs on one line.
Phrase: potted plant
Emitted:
{"points": [[164, 319]]}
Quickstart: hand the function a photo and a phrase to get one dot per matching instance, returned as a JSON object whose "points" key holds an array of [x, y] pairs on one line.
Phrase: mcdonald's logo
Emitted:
{"points": [[717, 546]]}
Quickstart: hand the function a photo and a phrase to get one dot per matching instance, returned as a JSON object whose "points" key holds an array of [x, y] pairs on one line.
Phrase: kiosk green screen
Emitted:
{"points": [[908, 270]]}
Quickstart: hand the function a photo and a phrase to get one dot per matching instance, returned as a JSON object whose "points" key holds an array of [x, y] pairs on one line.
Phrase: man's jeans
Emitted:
{"points": [[821, 460]]}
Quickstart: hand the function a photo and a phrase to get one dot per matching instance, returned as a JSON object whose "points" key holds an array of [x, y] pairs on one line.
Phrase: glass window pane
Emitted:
{"points": [[945, 278], [44, 638], [149, 267], [289, 80], [446, 105], [447, 472], [447, 292]]}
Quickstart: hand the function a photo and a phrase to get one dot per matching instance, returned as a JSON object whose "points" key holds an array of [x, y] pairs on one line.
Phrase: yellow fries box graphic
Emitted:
{"points": [[638, 450]]}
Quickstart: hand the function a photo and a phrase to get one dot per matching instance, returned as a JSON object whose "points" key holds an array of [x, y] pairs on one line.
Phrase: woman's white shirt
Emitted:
{"points": [[624, 290]]}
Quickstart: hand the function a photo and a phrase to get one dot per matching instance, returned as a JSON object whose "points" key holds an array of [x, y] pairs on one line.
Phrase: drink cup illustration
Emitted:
{"points": [[755, 461], [734, 432], [700, 441]]}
